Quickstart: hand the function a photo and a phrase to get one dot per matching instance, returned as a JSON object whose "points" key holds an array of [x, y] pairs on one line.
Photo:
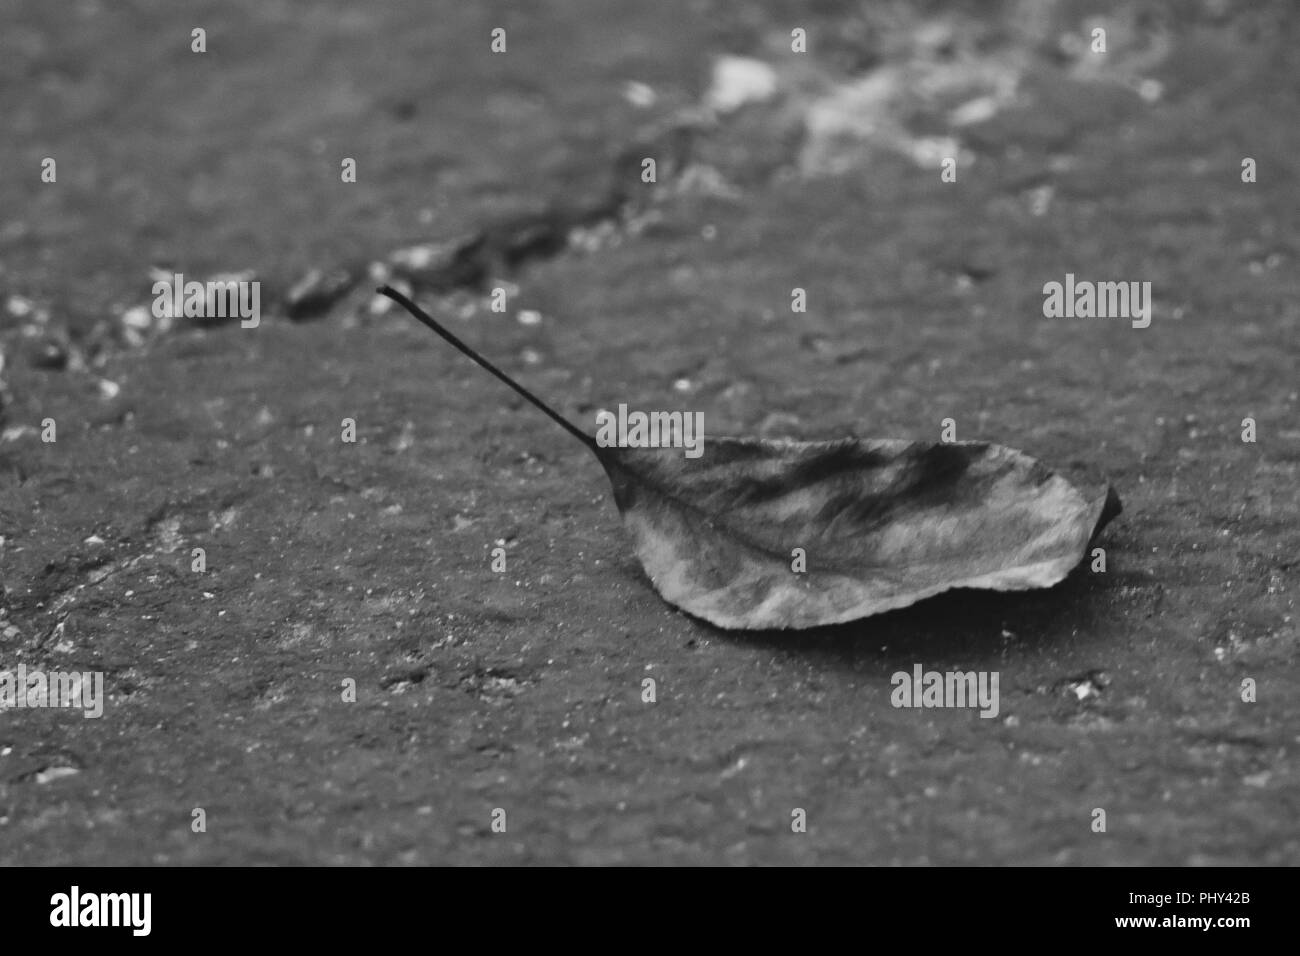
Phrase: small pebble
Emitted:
{"points": [[18, 307], [137, 317], [55, 773], [739, 80], [639, 95], [317, 291]]}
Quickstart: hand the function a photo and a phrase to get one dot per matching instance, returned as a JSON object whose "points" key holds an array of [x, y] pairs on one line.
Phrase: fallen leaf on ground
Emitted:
{"points": [[881, 525], [759, 533]]}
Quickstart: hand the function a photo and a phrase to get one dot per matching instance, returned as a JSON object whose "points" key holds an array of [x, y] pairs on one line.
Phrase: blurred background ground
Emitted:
{"points": [[370, 561]]}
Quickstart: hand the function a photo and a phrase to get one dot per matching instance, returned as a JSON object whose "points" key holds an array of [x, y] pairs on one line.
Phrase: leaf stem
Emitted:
{"points": [[432, 323]]}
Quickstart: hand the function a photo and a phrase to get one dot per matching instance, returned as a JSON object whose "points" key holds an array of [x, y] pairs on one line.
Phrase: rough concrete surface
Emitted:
{"points": [[371, 561]]}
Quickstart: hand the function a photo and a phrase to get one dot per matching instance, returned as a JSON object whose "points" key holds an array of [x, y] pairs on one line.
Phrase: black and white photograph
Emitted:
{"points": [[675, 434]]}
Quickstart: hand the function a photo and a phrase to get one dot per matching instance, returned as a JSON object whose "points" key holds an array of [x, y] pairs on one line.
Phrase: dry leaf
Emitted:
{"points": [[879, 524], [882, 524]]}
